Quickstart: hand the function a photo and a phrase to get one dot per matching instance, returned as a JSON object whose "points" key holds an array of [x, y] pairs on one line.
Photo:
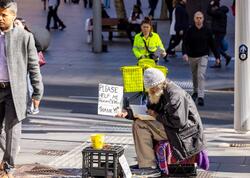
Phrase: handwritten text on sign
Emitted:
{"points": [[110, 99]]}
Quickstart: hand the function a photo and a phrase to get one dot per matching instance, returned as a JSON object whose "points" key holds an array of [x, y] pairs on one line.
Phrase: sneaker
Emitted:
{"points": [[216, 66], [48, 28], [200, 101], [35, 111], [62, 27], [148, 172], [194, 96], [228, 59]]}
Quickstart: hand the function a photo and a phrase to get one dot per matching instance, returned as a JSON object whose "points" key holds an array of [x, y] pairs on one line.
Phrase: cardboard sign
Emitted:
{"points": [[125, 167], [110, 99]]}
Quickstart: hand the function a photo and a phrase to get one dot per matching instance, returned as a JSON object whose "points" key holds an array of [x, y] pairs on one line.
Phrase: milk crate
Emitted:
{"points": [[102, 163]]}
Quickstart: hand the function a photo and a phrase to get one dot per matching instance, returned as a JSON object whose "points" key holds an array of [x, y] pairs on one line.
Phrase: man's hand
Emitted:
{"points": [[36, 103], [181, 32], [163, 53], [152, 113], [185, 57], [122, 114], [212, 3]]}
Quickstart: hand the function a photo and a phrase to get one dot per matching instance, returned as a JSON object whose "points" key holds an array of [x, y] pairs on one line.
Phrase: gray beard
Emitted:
{"points": [[154, 98]]}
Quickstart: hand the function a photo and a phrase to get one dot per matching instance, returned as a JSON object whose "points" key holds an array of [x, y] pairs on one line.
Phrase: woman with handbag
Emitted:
{"points": [[19, 22], [147, 44]]}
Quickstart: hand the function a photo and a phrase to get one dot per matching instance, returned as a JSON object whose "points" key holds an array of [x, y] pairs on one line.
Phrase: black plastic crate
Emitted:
{"points": [[102, 163]]}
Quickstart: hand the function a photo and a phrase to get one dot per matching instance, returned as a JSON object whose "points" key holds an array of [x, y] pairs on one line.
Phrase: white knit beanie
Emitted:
{"points": [[153, 77]]}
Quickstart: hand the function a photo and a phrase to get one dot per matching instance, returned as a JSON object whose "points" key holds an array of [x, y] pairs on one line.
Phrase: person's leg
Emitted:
{"points": [[143, 137], [194, 69], [50, 14], [153, 7], [90, 3], [202, 67], [150, 2], [174, 41], [218, 40], [2, 115], [170, 8], [227, 57], [58, 20], [129, 30], [85, 3], [13, 134], [54, 19], [138, 2], [137, 28]]}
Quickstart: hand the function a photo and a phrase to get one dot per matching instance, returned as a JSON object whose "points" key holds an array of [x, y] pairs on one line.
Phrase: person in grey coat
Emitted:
{"points": [[176, 120], [18, 58]]}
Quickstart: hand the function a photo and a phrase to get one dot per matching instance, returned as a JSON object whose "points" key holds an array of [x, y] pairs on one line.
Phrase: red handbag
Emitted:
{"points": [[41, 59]]}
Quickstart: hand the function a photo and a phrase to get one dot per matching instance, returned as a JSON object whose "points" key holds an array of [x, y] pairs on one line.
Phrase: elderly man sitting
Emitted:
{"points": [[176, 120]]}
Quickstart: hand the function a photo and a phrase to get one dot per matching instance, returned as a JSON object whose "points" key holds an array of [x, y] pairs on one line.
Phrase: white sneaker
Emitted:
{"points": [[35, 111]]}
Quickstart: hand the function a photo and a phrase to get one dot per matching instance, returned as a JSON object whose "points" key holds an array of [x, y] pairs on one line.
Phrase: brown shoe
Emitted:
{"points": [[8, 175]]}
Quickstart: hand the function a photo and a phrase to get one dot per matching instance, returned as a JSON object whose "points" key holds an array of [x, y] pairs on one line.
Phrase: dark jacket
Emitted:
{"points": [[181, 18], [197, 42], [219, 18], [178, 113]]}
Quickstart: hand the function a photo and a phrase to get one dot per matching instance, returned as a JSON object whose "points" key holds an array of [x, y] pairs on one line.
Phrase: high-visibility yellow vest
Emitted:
{"points": [[153, 43]]}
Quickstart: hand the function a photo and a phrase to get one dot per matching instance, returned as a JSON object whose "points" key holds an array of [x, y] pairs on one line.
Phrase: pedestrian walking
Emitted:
{"points": [[178, 27], [176, 120], [219, 28], [18, 58], [53, 7], [197, 42], [147, 43]]}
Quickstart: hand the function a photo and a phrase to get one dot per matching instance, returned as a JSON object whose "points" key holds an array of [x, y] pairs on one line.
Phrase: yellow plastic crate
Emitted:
{"points": [[146, 63], [163, 69], [132, 78]]}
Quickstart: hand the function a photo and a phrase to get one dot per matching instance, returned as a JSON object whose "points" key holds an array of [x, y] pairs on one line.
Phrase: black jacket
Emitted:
{"points": [[197, 42], [178, 113], [181, 18], [219, 18]]}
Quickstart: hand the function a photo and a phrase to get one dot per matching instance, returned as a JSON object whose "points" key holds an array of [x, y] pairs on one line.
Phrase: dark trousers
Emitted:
{"points": [[174, 41], [10, 139], [138, 2], [219, 37], [153, 5], [53, 14], [86, 2], [132, 28], [170, 8]]}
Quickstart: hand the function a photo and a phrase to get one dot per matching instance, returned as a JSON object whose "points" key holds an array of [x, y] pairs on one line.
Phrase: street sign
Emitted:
{"points": [[110, 99], [243, 52]]}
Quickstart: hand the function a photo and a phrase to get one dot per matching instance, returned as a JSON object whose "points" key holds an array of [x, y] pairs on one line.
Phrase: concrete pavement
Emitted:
{"points": [[68, 116]]}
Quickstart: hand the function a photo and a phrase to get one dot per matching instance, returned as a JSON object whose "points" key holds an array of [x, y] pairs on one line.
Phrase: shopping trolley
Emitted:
{"points": [[133, 78]]}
